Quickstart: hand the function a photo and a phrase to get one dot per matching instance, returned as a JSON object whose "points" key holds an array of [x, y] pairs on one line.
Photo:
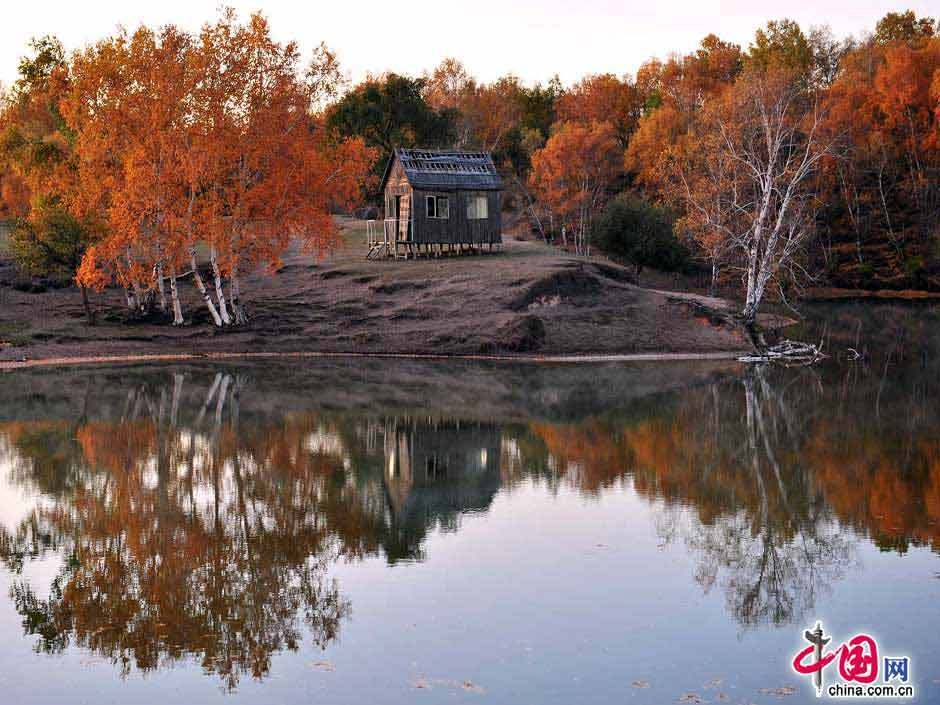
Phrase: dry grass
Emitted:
{"points": [[529, 299], [4, 239]]}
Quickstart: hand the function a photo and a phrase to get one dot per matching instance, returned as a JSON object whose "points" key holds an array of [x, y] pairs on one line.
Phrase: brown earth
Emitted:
{"points": [[528, 300], [836, 294]]}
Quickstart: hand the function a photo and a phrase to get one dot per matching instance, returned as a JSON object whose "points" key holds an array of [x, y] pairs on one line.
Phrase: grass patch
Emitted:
{"points": [[353, 234], [5, 229], [15, 334]]}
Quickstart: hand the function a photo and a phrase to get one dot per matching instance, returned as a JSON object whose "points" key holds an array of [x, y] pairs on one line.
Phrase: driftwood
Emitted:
{"points": [[788, 352]]}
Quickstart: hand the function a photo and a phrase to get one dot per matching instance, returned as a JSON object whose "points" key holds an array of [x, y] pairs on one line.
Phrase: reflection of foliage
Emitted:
{"points": [[758, 528], [193, 532], [38, 617], [773, 466], [181, 542]]}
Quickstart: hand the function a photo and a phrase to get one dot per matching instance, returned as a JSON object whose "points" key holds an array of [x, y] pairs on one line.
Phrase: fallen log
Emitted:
{"points": [[787, 352]]}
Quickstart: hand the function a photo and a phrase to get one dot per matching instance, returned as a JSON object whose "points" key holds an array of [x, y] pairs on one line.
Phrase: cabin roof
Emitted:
{"points": [[442, 169]]}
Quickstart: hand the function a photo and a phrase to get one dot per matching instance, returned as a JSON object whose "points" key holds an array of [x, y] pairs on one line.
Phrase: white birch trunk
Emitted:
{"points": [[161, 287], [138, 297], [175, 299], [220, 399], [209, 397], [177, 394], [219, 292], [238, 310], [217, 319]]}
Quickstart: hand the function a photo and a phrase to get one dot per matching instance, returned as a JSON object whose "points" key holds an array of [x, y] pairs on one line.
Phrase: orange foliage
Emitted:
{"points": [[574, 171], [211, 139], [674, 93], [602, 98]]}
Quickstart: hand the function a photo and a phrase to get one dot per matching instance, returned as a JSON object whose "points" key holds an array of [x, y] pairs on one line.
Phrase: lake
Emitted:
{"points": [[404, 531]]}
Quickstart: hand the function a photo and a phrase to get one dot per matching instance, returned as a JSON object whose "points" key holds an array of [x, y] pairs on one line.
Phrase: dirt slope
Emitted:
{"points": [[529, 299]]}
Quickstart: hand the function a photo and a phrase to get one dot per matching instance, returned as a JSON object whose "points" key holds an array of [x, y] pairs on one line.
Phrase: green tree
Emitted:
{"points": [[37, 145], [781, 45], [631, 229], [51, 243], [391, 112], [904, 27]]}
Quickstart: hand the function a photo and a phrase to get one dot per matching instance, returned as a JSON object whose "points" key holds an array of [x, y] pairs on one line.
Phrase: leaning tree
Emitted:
{"points": [[745, 177]]}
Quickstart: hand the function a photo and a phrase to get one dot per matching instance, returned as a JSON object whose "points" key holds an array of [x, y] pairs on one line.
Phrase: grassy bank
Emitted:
{"points": [[528, 300]]}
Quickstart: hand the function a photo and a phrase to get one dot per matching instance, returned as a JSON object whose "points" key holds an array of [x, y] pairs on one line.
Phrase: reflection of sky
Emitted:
{"points": [[15, 505], [545, 597], [16, 501]]}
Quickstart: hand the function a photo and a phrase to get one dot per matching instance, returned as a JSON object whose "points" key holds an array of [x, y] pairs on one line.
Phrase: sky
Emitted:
{"points": [[534, 39]]}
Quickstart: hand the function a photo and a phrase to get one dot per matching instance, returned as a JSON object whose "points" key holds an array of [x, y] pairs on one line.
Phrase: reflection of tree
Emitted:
{"points": [[772, 465], [775, 558], [180, 542], [759, 527], [187, 532], [194, 524]]}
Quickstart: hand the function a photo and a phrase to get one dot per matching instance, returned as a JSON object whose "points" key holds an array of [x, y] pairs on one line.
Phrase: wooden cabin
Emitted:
{"points": [[438, 202]]}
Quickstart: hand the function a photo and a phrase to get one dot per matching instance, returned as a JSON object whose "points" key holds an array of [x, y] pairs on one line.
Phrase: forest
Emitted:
{"points": [[158, 156]]}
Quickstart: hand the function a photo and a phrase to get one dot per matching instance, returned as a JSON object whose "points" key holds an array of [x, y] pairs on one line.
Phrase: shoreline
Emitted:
{"points": [[530, 303], [824, 294], [591, 358]]}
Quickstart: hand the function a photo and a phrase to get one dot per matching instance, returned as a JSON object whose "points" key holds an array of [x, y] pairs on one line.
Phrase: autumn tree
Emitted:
{"points": [[451, 88], [274, 175], [745, 176], [573, 172], [38, 162], [132, 144], [673, 94], [883, 197], [603, 98], [210, 140], [904, 27]]}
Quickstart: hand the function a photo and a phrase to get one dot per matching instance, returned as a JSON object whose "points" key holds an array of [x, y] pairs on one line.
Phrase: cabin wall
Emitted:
{"points": [[457, 229], [397, 185]]}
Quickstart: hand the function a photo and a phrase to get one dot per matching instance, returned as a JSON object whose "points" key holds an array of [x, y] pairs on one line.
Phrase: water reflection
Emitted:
{"points": [[197, 512]]}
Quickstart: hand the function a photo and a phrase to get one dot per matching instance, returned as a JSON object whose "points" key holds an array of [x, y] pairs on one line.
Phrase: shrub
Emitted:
{"points": [[631, 229]]}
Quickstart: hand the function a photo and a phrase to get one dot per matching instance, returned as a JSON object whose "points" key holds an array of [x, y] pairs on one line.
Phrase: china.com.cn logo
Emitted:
{"points": [[858, 665]]}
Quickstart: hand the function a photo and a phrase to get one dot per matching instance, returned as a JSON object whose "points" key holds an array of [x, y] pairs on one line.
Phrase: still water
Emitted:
{"points": [[405, 532]]}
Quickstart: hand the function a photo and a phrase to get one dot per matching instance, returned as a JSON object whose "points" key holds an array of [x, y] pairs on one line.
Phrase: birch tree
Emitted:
{"points": [[745, 176], [272, 175], [185, 141]]}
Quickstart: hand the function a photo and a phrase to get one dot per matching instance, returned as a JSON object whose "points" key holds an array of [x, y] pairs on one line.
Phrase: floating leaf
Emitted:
{"points": [[779, 692]]}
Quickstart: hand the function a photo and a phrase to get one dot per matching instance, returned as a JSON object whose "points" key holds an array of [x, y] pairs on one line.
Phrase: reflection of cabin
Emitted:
{"points": [[438, 203], [437, 470]]}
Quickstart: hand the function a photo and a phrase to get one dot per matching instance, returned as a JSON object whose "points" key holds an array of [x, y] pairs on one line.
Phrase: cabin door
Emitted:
{"points": [[403, 216]]}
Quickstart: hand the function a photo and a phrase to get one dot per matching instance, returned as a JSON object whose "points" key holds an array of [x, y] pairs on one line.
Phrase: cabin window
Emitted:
{"points": [[438, 207], [477, 208]]}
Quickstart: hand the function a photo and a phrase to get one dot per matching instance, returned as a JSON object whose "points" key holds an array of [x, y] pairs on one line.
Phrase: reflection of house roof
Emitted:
{"points": [[436, 472], [435, 169]]}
